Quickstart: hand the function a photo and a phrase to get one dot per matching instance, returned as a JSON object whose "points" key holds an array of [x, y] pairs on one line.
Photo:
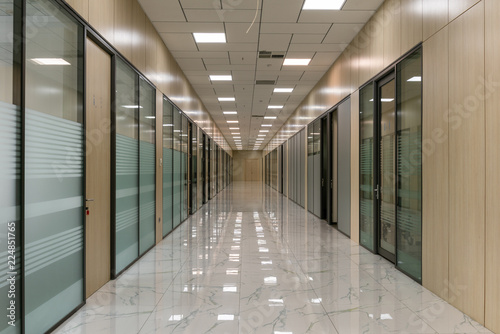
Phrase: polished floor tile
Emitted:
{"points": [[251, 261]]}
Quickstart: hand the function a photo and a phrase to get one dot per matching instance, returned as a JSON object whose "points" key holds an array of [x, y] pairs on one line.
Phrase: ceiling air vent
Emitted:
{"points": [[265, 82], [258, 116], [271, 54]]}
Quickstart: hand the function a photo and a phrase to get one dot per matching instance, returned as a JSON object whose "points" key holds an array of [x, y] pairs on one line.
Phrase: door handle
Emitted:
{"points": [[89, 200], [377, 191]]}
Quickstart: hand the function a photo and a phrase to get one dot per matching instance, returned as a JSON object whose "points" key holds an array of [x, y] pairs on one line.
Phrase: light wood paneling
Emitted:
{"points": [[435, 223], [411, 24], [151, 53], [81, 7], [467, 162], [392, 31], [98, 168], [345, 76], [138, 37], [492, 275], [376, 54], [354, 62], [457, 7], [102, 18], [355, 166], [124, 27], [252, 170], [435, 16], [159, 166]]}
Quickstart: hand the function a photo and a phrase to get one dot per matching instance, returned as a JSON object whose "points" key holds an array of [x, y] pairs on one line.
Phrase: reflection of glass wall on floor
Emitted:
{"points": [[54, 221]]}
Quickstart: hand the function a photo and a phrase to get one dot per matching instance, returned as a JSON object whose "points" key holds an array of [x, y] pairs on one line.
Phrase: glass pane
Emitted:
{"points": [[54, 212], [310, 167], [168, 126], [409, 209], [366, 173], [10, 176], [317, 168], [177, 182], [388, 167], [147, 197], [127, 167], [184, 167], [194, 168]]}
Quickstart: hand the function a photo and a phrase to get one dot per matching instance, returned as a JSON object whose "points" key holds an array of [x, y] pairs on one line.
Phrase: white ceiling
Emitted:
{"points": [[280, 26]]}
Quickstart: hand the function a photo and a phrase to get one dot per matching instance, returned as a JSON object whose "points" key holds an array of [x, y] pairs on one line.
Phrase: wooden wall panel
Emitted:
{"points": [[159, 166], [411, 24], [151, 53], [123, 27], [102, 18], [392, 31], [467, 162], [377, 43], [355, 166], [139, 37], [457, 7], [346, 87], [435, 220], [81, 7], [492, 274], [435, 16], [353, 52]]}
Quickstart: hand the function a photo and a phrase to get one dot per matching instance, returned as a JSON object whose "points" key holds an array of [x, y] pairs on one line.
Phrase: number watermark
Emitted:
{"points": [[11, 272]]}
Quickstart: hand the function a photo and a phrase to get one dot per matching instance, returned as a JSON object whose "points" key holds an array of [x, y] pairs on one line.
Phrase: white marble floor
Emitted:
{"points": [[250, 261]]}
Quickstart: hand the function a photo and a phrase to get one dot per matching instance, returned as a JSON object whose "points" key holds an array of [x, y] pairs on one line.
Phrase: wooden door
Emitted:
{"points": [[98, 140]]}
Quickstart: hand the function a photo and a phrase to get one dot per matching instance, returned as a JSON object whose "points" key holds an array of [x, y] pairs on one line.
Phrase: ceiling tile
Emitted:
{"points": [[191, 64], [294, 28], [273, 11], [197, 4], [188, 27], [342, 33], [179, 41], [312, 76], [307, 38], [317, 47], [228, 47], [362, 4], [216, 61], [230, 67], [198, 54], [324, 58], [170, 11], [238, 57], [210, 15], [274, 42], [237, 33]]}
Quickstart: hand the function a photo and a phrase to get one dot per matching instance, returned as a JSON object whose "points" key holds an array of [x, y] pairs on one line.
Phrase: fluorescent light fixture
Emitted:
{"points": [[270, 117], [274, 107], [296, 62], [261, 135], [237, 137], [221, 77], [283, 90], [150, 117], [266, 125], [229, 112], [415, 79], [235, 133], [131, 107], [227, 99], [50, 61], [210, 37], [323, 4], [168, 125], [263, 130], [232, 122], [234, 128]]}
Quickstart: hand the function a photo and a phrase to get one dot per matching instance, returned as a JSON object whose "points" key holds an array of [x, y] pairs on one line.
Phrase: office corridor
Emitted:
{"points": [[251, 261]]}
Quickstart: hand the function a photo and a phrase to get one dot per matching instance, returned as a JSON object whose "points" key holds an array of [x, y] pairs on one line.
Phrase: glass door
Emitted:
{"points": [[386, 189]]}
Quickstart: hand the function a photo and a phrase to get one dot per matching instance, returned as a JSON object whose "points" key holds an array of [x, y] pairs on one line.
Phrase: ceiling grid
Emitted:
{"points": [[281, 27]]}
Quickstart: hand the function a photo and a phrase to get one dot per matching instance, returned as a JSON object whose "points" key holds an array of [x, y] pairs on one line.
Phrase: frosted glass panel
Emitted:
{"points": [[147, 159], [167, 166], [54, 212], [127, 167], [184, 168], [10, 177]]}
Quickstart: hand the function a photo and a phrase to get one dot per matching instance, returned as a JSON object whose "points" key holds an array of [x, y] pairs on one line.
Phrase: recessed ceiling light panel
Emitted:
{"points": [[203, 37], [226, 99], [323, 4], [283, 90], [229, 112], [296, 62], [221, 78]]}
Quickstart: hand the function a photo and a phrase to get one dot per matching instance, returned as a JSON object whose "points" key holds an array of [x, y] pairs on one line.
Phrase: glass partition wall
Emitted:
{"points": [[391, 165], [53, 166], [168, 158]]}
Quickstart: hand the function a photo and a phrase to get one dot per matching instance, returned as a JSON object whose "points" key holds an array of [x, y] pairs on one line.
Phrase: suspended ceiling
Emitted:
{"points": [[281, 28]]}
